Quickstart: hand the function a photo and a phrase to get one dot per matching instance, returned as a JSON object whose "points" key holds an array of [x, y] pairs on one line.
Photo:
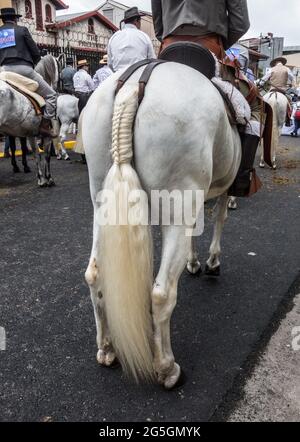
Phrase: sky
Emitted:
{"points": [[281, 17]]}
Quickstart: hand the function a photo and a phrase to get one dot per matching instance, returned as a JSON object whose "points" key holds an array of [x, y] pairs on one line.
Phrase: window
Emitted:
{"points": [[28, 9], [109, 13], [39, 15], [91, 26], [48, 11]]}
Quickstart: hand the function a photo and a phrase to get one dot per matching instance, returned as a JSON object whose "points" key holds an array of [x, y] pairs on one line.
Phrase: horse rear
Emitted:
{"points": [[182, 141], [279, 103]]}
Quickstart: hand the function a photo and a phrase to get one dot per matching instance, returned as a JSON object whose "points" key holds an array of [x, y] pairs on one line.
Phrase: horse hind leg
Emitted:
{"points": [[105, 355], [176, 248], [213, 263]]}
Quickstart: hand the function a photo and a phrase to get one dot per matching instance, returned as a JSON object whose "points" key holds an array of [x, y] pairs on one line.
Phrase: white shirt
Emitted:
{"points": [[128, 46], [83, 82], [101, 75]]}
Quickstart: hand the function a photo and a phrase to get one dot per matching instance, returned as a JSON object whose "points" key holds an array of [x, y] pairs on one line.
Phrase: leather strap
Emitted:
{"points": [[146, 76], [127, 74]]}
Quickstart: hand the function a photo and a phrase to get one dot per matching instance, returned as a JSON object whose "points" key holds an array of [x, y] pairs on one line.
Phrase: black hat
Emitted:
{"points": [[132, 13], [69, 60], [8, 13]]}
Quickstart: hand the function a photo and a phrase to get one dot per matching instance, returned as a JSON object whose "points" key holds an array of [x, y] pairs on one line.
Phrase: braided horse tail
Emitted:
{"points": [[126, 259]]}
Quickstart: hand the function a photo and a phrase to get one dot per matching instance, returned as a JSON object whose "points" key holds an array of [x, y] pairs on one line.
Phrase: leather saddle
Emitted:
{"points": [[25, 86], [193, 55]]}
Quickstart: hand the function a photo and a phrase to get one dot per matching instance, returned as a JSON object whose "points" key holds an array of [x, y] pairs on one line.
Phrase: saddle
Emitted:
{"points": [[26, 87]]}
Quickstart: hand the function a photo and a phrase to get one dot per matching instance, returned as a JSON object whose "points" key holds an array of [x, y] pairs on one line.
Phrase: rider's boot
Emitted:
{"points": [[46, 128], [246, 182]]}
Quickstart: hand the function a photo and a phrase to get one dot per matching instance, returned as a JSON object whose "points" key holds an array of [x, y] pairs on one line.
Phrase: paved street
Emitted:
{"points": [[49, 371]]}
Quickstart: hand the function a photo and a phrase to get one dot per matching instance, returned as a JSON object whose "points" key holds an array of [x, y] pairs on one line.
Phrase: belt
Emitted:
{"points": [[213, 42]]}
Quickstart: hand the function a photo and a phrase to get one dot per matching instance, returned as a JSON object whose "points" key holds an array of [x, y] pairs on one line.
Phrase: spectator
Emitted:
{"points": [[103, 73]]}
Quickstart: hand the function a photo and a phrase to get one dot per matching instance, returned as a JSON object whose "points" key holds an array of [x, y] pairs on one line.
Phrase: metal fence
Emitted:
{"points": [[77, 54]]}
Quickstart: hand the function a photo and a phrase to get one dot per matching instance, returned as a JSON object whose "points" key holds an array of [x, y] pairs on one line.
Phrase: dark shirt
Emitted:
{"points": [[67, 78], [227, 18], [25, 52]]}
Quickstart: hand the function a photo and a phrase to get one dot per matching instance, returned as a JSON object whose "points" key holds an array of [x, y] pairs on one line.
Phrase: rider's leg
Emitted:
{"points": [[247, 181]]}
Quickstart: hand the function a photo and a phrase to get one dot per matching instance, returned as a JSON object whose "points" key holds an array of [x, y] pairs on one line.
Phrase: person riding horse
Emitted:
{"points": [[280, 76], [216, 27], [19, 53]]}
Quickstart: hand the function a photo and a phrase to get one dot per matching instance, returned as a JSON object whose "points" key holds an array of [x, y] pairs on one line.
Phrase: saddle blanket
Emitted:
{"points": [[238, 101], [24, 85]]}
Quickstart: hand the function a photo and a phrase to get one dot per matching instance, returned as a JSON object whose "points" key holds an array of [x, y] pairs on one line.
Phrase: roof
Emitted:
{"points": [[120, 5], [59, 5], [70, 19]]}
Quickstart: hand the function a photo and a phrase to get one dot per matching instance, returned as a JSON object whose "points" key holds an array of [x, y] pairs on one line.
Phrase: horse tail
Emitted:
{"points": [[126, 259]]}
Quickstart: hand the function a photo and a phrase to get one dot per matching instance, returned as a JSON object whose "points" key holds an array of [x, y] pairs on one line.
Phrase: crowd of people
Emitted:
{"points": [[183, 21]]}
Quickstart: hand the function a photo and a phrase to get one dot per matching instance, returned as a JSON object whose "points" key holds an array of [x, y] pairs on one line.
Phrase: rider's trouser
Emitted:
{"points": [[44, 89]]}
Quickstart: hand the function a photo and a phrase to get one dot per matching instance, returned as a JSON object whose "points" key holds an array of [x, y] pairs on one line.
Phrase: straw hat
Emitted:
{"points": [[103, 60], [82, 63]]}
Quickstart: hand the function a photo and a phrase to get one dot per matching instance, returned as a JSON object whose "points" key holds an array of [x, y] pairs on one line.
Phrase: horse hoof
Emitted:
{"points": [[175, 380], [42, 184], [274, 167], [51, 183], [212, 272], [27, 170], [194, 267], [262, 165], [107, 359], [16, 169], [232, 205]]}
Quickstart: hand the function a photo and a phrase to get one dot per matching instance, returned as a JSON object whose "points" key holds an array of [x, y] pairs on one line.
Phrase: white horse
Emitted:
{"points": [[67, 105], [67, 114], [279, 104], [18, 118], [182, 140]]}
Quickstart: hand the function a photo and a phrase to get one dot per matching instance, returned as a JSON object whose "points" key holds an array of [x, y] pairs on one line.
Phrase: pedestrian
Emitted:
{"points": [[296, 116], [217, 26], [6, 148], [83, 84], [84, 87], [67, 76], [103, 73], [130, 44], [19, 53]]}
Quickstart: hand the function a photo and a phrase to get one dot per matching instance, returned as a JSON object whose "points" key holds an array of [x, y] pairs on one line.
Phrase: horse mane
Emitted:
{"points": [[47, 69]]}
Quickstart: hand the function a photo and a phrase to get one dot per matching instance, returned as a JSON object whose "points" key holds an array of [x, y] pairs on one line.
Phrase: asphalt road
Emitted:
{"points": [[49, 371]]}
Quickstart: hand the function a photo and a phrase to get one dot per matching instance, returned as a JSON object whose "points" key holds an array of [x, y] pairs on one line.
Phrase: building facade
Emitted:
{"points": [[79, 36], [269, 46]]}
